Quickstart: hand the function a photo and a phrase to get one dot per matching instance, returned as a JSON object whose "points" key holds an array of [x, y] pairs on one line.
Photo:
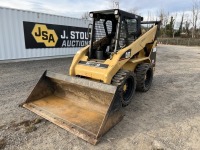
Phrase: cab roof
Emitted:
{"points": [[112, 12]]}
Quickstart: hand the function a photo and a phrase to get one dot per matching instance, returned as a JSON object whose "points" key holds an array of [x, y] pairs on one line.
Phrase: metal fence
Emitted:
{"points": [[180, 41]]}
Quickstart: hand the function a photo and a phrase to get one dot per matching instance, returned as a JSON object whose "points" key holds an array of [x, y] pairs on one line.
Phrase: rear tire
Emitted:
{"points": [[126, 80], [144, 75]]}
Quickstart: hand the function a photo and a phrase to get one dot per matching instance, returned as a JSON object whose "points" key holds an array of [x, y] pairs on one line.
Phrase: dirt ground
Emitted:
{"points": [[165, 117]]}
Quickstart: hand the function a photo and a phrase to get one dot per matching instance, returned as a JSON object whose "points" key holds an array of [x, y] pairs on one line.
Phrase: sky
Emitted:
{"points": [[76, 8]]}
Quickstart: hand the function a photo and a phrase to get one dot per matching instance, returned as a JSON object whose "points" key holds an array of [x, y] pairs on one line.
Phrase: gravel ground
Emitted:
{"points": [[165, 117]]}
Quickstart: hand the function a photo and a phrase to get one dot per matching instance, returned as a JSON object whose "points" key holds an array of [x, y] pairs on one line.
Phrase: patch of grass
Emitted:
{"points": [[30, 125], [30, 128]]}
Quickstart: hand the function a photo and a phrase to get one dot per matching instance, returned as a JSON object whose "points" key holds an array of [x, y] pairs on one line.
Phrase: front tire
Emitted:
{"points": [[144, 75], [126, 80]]}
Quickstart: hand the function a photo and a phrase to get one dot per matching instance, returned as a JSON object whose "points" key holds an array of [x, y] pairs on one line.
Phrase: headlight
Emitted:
{"points": [[91, 15], [116, 12]]}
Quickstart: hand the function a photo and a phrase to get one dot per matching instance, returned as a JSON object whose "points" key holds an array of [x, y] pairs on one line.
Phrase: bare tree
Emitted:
{"points": [[134, 10], [195, 16], [85, 16], [113, 4], [181, 24], [187, 25], [164, 18], [150, 16], [173, 25]]}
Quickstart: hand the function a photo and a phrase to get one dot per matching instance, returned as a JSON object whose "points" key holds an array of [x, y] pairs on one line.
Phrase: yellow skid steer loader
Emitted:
{"points": [[102, 78]]}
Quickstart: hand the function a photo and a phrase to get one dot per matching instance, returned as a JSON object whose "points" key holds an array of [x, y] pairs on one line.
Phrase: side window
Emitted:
{"points": [[128, 32], [123, 34], [131, 25], [132, 30]]}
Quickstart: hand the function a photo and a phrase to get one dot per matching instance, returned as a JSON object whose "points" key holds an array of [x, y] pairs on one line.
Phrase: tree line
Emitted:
{"points": [[188, 25]]}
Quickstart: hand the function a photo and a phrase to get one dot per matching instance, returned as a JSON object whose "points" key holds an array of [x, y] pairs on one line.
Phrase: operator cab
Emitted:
{"points": [[111, 31]]}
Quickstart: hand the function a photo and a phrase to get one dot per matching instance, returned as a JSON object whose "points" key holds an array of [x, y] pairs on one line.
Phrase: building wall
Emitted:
{"points": [[12, 40]]}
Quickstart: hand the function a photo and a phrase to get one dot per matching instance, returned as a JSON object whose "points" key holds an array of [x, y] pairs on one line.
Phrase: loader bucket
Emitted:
{"points": [[83, 107]]}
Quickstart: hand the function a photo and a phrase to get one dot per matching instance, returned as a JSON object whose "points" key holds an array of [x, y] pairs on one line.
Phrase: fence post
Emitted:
{"points": [[189, 42]]}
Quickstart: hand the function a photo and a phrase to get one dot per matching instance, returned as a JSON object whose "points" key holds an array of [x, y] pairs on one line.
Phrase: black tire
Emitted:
{"points": [[144, 75], [126, 80]]}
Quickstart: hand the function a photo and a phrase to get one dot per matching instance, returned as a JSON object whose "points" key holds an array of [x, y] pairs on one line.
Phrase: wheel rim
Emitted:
{"points": [[128, 88], [148, 77]]}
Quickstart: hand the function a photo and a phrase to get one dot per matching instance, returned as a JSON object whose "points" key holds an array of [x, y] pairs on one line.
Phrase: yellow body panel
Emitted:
{"points": [[105, 74]]}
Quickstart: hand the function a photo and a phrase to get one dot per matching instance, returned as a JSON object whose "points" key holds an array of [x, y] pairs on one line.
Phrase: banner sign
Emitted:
{"points": [[39, 35]]}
